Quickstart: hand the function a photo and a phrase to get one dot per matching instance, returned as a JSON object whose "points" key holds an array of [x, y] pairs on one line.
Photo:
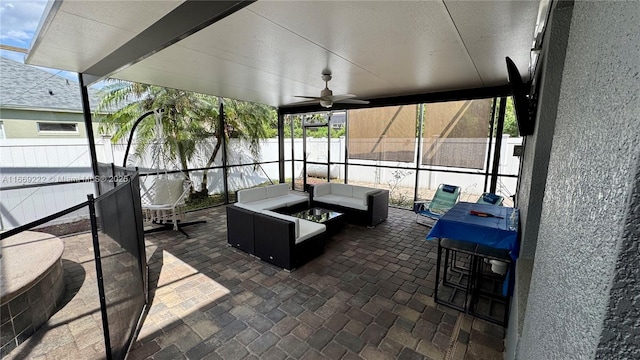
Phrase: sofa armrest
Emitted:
{"points": [[274, 240], [240, 228], [378, 207]]}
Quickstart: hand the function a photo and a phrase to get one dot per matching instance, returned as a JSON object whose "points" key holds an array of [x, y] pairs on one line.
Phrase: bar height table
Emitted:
{"points": [[481, 232]]}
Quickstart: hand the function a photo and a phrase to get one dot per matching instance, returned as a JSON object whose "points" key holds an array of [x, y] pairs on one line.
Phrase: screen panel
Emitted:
{"points": [[456, 133], [383, 134]]}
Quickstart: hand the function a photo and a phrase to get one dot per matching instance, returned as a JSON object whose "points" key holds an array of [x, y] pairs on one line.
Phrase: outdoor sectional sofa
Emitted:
{"points": [[279, 239], [362, 205]]}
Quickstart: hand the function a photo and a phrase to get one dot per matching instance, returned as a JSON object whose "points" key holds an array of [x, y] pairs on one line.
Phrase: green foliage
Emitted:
{"points": [[189, 120], [510, 123]]}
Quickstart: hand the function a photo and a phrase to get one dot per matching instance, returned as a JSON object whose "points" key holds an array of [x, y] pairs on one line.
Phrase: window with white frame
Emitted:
{"points": [[2, 130]]}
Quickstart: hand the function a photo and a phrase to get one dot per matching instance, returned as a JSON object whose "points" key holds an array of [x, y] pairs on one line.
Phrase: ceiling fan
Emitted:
{"points": [[327, 99]]}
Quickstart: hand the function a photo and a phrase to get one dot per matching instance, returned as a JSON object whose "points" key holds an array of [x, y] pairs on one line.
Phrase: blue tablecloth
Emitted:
{"points": [[459, 224]]}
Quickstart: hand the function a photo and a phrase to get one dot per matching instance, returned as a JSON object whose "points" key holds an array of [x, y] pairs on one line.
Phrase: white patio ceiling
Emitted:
{"points": [[270, 51]]}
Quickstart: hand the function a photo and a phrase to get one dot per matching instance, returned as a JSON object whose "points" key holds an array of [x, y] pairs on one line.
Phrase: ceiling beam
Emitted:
{"points": [[183, 21]]}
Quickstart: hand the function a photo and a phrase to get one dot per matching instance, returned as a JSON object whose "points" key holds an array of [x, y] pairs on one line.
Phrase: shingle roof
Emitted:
{"points": [[29, 87]]}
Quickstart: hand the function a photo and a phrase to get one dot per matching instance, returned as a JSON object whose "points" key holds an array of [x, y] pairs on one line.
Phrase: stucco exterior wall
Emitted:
{"points": [[535, 161], [621, 333], [591, 176], [538, 147]]}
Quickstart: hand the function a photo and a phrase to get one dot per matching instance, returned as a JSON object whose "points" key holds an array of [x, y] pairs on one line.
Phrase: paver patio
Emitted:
{"points": [[368, 296]]}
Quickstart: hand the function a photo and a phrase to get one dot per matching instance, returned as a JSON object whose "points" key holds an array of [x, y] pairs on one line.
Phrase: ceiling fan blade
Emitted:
{"points": [[353, 101], [341, 97], [306, 102], [309, 97]]}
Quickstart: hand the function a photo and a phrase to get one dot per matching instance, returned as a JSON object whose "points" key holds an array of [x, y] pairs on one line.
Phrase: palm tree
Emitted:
{"points": [[246, 121], [190, 121]]}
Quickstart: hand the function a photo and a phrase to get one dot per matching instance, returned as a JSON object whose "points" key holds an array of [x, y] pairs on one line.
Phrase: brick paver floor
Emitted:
{"points": [[367, 297]]}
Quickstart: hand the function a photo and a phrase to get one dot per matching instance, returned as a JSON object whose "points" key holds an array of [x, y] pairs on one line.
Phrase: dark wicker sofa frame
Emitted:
{"points": [[271, 239], [377, 208]]}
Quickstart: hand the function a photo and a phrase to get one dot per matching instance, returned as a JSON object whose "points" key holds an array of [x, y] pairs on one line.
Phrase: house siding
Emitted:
{"points": [[20, 124]]}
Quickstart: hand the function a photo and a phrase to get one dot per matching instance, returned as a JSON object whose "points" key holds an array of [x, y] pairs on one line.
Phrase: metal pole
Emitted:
{"points": [[113, 174], [304, 156], [281, 146], [86, 111], [293, 159], [419, 152], [329, 146], [492, 123], [225, 173], [346, 146], [98, 260], [133, 129], [496, 153]]}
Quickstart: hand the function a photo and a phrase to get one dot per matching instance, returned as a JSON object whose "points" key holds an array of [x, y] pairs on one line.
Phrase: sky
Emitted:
{"points": [[19, 20]]}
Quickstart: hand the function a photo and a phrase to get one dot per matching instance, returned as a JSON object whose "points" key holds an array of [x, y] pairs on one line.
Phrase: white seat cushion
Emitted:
{"points": [[352, 203], [250, 195], [309, 229], [277, 190], [296, 221]]}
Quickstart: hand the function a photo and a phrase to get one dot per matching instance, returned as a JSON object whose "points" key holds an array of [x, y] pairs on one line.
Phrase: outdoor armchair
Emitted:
{"points": [[445, 197], [490, 199]]}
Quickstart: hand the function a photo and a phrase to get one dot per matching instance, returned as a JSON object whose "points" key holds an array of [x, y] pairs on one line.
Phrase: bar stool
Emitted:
{"points": [[490, 285], [452, 249], [476, 282]]}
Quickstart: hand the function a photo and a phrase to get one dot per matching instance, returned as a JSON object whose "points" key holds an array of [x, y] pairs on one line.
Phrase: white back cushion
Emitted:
{"points": [[295, 220], [342, 189], [277, 190], [321, 189], [249, 195], [167, 191]]}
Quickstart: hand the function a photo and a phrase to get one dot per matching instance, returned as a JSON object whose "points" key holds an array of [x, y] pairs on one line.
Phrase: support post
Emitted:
{"points": [[293, 154], [329, 146], [492, 122], [86, 111], [496, 153], [280, 146], [223, 129], [304, 155], [346, 146], [419, 152]]}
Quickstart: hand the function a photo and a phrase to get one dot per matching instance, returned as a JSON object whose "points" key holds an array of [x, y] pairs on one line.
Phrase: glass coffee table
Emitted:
{"points": [[333, 220]]}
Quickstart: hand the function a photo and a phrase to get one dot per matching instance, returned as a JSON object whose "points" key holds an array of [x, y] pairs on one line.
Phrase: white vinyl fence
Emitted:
{"points": [[30, 161]]}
